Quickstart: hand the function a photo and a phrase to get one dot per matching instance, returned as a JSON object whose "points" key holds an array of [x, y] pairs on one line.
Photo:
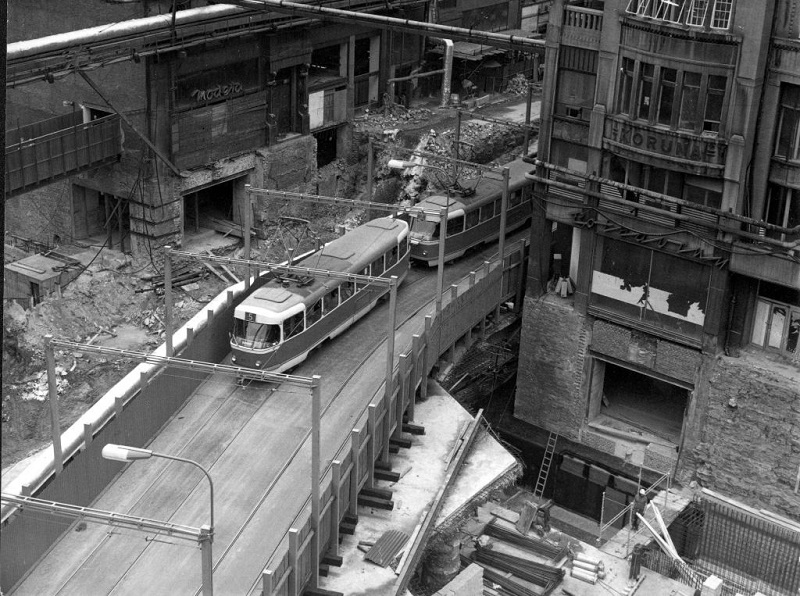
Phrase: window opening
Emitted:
{"points": [[721, 18], [632, 401], [787, 143], [455, 225], [669, 78]]}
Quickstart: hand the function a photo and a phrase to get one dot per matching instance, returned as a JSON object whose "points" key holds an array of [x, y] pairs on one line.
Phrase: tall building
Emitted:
{"points": [[668, 192]]}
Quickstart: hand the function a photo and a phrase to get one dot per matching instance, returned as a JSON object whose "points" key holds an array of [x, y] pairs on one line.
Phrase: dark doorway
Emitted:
{"points": [[644, 402], [207, 204], [326, 147]]}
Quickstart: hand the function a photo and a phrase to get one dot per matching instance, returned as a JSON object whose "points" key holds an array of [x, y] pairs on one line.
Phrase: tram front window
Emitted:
{"points": [[255, 336], [424, 230]]}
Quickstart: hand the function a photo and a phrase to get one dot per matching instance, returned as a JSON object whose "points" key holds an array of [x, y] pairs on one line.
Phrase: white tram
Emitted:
{"points": [[277, 326], [472, 220]]}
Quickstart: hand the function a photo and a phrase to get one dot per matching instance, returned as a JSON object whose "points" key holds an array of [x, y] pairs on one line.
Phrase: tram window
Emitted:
{"points": [[473, 218], [347, 289], [391, 257], [377, 267], [455, 225], [404, 245], [487, 212], [331, 300], [516, 198], [314, 313], [292, 326], [498, 207]]}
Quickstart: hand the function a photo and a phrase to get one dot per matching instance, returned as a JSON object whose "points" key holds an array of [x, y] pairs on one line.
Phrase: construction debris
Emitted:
{"points": [[387, 547]]}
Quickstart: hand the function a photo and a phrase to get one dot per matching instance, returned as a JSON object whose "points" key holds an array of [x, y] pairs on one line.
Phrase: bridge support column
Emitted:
{"points": [[336, 503], [355, 473]]}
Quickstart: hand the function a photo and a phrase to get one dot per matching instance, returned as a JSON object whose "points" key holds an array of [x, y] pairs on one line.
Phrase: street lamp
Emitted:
{"points": [[399, 164], [127, 454]]}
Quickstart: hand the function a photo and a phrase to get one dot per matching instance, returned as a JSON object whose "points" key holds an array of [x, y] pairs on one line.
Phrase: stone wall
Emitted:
{"points": [[551, 361], [750, 447]]}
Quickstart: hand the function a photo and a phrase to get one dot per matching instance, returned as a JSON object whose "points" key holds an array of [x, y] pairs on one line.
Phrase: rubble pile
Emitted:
{"points": [[518, 85]]}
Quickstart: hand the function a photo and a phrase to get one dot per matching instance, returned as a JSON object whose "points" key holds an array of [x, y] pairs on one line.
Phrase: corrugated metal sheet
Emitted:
{"points": [[387, 547]]}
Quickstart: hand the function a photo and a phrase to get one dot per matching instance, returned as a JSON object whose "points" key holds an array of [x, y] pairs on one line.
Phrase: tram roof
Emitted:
{"points": [[485, 188], [351, 253]]}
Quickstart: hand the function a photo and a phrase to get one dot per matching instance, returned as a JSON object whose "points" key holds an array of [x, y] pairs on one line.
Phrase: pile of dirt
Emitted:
{"points": [[99, 307]]}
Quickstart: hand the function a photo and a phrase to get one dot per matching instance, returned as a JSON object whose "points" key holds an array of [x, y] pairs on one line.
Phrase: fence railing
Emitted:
{"points": [[31, 162]]}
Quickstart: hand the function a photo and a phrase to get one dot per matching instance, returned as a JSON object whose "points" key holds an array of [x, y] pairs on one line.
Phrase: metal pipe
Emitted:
{"points": [[114, 31], [445, 32], [447, 79]]}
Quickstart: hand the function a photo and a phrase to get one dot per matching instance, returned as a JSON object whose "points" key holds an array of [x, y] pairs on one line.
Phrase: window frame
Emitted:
{"points": [[792, 313]]}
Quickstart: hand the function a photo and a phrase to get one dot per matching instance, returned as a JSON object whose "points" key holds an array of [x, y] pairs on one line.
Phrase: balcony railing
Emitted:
{"points": [[583, 18], [53, 149]]}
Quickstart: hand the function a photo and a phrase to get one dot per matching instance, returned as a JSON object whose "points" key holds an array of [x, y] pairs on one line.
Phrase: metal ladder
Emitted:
{"points": [[544, 470]]}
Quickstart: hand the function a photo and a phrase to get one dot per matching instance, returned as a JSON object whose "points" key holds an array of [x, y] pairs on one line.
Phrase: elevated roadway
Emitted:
{"points": [[255, 442]]}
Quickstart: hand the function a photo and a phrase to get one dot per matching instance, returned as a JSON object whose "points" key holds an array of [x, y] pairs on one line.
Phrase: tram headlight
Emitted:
{"points": [[233, 358], [258, 363]]}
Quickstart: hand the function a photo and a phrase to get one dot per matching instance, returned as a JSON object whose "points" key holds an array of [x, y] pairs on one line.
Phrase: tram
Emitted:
{"points": [[280, 323], [471, 220]]}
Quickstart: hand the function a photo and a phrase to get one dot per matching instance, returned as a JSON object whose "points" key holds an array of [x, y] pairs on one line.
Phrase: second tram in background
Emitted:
{"points": [[277, 325], [472, 220]]}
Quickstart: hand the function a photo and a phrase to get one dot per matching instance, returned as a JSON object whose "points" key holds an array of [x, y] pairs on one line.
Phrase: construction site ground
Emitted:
{"points": [[109, 303]]}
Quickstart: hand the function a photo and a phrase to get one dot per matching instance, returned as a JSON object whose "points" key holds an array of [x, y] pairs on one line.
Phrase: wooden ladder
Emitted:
{"points": [[546, 461]]}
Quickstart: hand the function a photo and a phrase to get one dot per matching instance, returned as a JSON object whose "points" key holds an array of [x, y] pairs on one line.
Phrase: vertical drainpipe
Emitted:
{"points": [[447, 78]]}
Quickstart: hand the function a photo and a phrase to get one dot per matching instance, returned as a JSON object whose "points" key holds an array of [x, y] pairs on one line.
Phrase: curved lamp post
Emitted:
{"points": [[399, 164], [127, 454]]}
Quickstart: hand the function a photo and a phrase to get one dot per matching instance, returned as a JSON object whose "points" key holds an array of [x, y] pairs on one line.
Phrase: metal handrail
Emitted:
{"points": [[629, 507]]}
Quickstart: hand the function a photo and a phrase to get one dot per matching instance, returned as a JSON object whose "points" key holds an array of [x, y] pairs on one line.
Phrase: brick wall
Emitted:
{"points": [[750, 442], [551, 360], [467, 583]]}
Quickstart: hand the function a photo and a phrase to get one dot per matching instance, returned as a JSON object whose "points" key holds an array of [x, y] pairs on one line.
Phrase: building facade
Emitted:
{"points": [[164, 127], [669, 187]]}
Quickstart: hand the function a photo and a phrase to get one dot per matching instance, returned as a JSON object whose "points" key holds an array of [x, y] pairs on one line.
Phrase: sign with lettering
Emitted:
{"points": [[666, 144], [218, 92], [216, 84]]}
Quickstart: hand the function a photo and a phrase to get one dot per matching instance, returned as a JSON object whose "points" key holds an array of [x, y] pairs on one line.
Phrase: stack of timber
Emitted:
{"points": [[181, 276], [515, 563], [542, 548]]}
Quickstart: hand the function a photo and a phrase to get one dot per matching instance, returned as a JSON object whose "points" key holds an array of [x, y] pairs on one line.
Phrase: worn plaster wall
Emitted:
{"points": [[750, 446], [552, 348]]}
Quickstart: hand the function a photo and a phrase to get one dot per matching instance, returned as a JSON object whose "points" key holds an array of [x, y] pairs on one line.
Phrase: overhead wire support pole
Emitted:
{"points": [[149, 358], [168, 331], [55, 419], [316, 415], [502, 242], [390, 341]]}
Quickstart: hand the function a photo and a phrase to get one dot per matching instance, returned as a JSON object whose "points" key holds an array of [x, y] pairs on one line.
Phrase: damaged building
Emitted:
{"points": [[142, 131], [662, 313]]}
